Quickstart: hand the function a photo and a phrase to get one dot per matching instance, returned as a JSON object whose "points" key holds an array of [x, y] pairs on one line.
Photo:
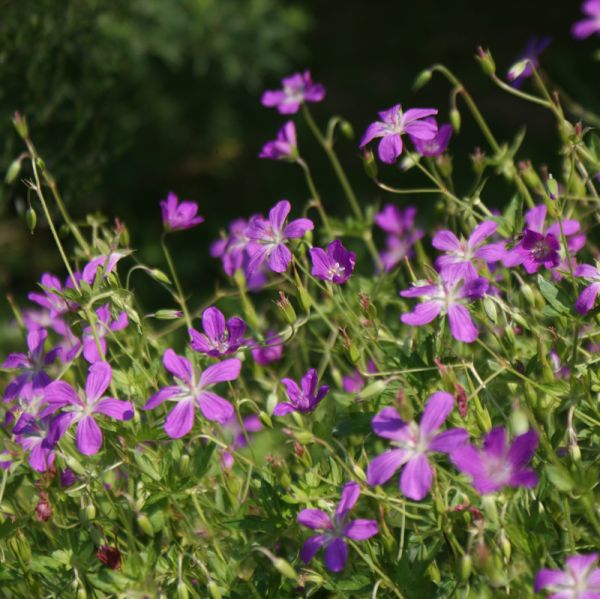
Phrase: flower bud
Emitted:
{"points": [[369, 164], [43, 510], [528, 294], [489, 306], [284, 567], [31, 219], [517, 69], [423, 78], [265, 419], [455, 119], [90, 511], [486, 61], [166, 314], [159, 275], [81, 593], [347, 129], [13, 171], [20, 124], [552, 187], [145, 524], [182, 591], [372, 390], [287, 310], [466, 566]]}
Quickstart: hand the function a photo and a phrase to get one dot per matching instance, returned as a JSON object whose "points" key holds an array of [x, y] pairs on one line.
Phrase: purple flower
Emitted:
{"points": [[540, 246], [80, 407], [413, 442], [461, 254], [178, 216], [589, 25], [32, 377], [438, 144], [354, 382], [446, 297], [51, 299], [580, 579], [270, 237], [560, 371], [528, 60], [394, 123], [285, 147], [497, 465], [251, 424], [103, 264], [218, 339], [271, 351], [336, 265], [67, 477], [297, 89], [402, 233], [191, 390], [34, 435], [303, 399], [103, 325], [334, 530], [587, 298]]}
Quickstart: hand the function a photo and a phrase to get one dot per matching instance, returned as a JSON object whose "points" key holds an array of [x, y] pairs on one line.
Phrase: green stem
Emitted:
{"points": [[316, 198], [173, 272]]}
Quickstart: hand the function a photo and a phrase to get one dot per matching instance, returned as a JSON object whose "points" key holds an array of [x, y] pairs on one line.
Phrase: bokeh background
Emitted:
{"points": [[128, 100]]}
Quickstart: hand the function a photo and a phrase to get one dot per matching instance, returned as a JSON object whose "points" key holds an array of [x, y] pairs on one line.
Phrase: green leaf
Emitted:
{"points": [[554, 296]]}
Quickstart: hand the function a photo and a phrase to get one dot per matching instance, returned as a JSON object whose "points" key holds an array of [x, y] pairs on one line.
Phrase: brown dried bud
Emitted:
{"points": [[43, 510], [109, 556]]}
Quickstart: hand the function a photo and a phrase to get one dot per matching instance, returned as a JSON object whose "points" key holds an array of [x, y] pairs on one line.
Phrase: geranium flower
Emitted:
{"points": [[523, 67], [446, 297], [219, 338], [334, 530], [191, 390], [297, 89], [178, 216], [393, 124], [251, 424], [413, 443], [587, 298], [303, 400], [461, 254], [79, 407], [34, 436], [580, 579], [103, 325], [591, 24], [51, 299], [271, 351], [103, 264], [435, 146], [354, 382], [497, 464], [271, 235], [285, 147], [334, 265]]}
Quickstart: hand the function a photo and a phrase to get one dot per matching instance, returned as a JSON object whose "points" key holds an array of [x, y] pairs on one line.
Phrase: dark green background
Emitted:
{"points": [[127, 101]]}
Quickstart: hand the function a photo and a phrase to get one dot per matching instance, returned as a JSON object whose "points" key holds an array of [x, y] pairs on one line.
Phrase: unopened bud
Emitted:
{"points": [[369, 164], [31, 219], [214, 591], [13, 171], [145, 524], [347, 129], [486, 61], [423, 78], [517, 69], [466, 566], [489, 307], [167, 314], [372, 390], [43, 510], [20, 124], [552, 187], [182, 591], [455, 119], [284, 567], [159, 275], [286, 308]]}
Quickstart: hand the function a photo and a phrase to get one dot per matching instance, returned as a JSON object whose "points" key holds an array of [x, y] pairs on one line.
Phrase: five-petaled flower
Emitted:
{"points": [[270, 236], [302, 399], [461, 254], [178, 216], [435, 146], [587, 298], [589, 25], [219, 338], [498, 465], [96, 336], [285, 147], [447, 296], [393, 124], [579, 580], [81, 407], [333, 531], [297, 89], [334, 265], [191, 390], [270, 351], [412, 444]]}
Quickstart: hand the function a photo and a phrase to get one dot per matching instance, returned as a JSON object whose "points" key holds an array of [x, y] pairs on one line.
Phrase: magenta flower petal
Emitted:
{"points": [[297, 228], [180, 419], [283, 408], [315, 519], [422, 313], [279, 213], [384, 466], [448, 441], [461, 324], [213, 323], [390, 147], [227, 370], [522, 449], [89, 436], [437, 409], [115, 408], [587, 298], [162, 395], [360, 530], [546, 578], [280, 258], [214, 407], [388, 424], [481, 232], [336, 554], [350, 495], [445, 241], [98, 380], [311, 546], [416, 477], [59, 393], [178, 366]]}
